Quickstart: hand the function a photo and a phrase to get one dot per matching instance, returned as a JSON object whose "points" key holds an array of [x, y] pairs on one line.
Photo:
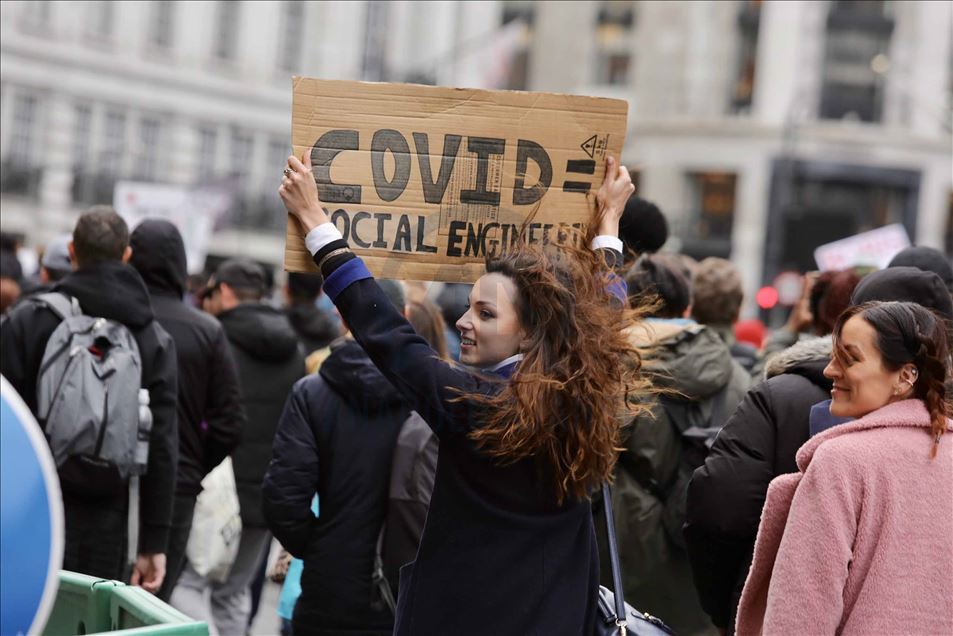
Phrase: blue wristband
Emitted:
{"points": [[342, 277]]}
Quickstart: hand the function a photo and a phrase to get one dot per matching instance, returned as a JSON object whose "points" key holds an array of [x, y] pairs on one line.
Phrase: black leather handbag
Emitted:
{"points": [[615, 616]]}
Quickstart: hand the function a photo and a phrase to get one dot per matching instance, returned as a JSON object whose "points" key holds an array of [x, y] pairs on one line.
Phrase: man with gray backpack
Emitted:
{"points": [[99, 374]]}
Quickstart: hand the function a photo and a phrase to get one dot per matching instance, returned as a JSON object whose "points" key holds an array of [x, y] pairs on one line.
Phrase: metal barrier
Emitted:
{"points": [[88, 605]]}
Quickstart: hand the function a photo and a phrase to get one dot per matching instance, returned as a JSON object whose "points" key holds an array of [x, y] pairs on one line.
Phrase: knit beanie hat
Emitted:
{"points": [[927, 259], [905, 284]]}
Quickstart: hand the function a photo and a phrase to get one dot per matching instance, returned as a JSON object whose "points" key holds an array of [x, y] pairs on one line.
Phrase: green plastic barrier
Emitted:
{"points": [[88, 605]]}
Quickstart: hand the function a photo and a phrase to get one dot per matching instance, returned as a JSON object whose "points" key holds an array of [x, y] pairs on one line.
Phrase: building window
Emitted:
{"points": [[272, 212], [208, 138], [749, 21], [707, 226], [227, 33], [856, 62], [23, 130], [36, 15], [289, 55], [614, 45], [278, 151], [148, 159], [18, 174], [83, 187], [374, 67], [241, 154], [161, 28], [114, 144], [82, 131], [517, 75], [100, 19]]}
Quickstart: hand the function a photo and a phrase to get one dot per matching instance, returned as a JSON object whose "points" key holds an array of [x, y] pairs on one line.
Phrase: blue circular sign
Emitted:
{"points": [[31, 519]]}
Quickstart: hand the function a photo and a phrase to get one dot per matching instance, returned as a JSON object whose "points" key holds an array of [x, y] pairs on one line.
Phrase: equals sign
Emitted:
{"points": [[579, 166]]}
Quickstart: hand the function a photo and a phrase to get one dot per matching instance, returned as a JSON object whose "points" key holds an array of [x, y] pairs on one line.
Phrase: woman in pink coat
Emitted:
{"points": [[860, 541]]}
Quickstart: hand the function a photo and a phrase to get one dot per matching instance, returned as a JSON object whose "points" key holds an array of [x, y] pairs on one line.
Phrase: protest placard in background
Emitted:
{"points": [[875, 248], [192, 210], [425, 182]]}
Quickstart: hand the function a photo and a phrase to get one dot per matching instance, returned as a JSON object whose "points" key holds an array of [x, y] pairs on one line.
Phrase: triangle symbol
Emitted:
{"points": [[589, 146]]}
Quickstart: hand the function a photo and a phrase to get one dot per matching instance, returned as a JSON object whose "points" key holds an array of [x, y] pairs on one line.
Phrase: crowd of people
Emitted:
{"points": [[430, 458]]}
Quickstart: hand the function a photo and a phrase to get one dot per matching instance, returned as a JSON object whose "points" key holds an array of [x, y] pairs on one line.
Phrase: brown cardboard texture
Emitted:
{"points": [[424, 182]]}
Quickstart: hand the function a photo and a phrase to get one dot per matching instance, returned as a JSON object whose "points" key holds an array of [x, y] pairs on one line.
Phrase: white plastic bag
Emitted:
{"points": [[216, 524]]}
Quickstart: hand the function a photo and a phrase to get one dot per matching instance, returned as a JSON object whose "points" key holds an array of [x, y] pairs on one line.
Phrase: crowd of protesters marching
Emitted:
{"points": [[429, 457]]}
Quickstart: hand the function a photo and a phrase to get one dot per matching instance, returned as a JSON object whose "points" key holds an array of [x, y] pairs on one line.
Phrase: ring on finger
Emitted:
{"points": [[287, 172]]}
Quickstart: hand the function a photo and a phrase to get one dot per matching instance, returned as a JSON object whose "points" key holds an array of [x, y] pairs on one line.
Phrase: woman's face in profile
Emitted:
{"points": [[490, 330], [861, 382]]}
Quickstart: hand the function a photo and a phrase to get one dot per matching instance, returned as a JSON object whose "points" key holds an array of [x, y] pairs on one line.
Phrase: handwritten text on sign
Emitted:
{"points": [[425, 182]]}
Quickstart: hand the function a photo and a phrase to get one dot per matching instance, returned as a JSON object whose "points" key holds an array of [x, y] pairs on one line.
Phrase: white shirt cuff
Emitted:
{"points": [[607, 241], [321, 236]]}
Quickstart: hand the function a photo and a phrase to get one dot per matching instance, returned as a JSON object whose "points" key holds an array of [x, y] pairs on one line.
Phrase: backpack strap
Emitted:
{"points": [[378, 578], [60, 304], [132, 523]]}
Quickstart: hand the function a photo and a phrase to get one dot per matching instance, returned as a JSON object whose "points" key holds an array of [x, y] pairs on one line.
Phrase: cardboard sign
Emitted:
{"points": [[875, 249], [425, 182]]}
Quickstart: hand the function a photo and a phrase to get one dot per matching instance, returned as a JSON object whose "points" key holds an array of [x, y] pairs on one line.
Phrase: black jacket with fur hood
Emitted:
{"points": [[757, 444]]}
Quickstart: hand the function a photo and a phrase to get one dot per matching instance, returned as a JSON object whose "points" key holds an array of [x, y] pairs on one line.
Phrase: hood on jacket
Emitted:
{"points": [[311, 324], [807, 358], [158, 254], [352, 375], [110, 290], [689, 358], [260, 330]]}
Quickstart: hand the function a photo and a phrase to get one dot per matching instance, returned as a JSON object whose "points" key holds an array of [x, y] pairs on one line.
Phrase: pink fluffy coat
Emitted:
{"points": [[860, 541]]}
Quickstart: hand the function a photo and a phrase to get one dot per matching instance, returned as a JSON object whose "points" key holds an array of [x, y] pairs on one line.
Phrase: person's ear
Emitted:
{"points": [[907, 380], [72, 254], [126, 254], [524, 341]]}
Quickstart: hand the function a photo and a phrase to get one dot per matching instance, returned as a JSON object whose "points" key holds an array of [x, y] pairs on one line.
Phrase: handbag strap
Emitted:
{"points": [[614, 559]]}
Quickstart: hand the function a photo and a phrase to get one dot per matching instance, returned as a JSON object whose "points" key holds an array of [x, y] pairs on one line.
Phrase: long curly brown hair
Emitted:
{"points": [[579, 380]]}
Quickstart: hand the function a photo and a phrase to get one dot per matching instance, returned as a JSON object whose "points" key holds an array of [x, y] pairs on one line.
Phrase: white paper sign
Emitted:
{"points": [[193, 211], [873, 249]]}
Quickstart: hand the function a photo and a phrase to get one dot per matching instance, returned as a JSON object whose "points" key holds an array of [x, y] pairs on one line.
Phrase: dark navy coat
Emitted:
{"points": [[498, 555]]}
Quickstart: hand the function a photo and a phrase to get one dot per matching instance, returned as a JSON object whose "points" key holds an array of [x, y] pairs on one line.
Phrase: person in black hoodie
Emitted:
{"points": [[336, 438], [759, 442], [210, 414], [269, 361], [315, 328], [107, 287]]}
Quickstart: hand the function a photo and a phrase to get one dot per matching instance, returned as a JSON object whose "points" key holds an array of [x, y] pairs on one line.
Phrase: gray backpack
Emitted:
{"points": [[412, 476], [88, 404], [88, 399]]}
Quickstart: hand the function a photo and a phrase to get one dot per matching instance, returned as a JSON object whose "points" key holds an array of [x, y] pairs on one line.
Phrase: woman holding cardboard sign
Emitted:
{"points": [[509, 546]]}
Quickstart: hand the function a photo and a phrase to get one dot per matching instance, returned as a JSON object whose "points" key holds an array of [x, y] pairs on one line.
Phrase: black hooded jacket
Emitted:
{"points": [[210, 414], [115, 291], [269, 361], [336, 438], [727, 493]]}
